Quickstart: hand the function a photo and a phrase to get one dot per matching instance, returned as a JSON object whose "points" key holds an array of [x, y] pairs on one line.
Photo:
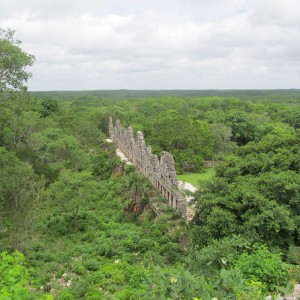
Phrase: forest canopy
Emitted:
{"points": [[76, 223]]}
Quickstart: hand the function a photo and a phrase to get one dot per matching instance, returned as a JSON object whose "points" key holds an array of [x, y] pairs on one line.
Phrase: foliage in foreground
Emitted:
{"points": [[15, 278]]}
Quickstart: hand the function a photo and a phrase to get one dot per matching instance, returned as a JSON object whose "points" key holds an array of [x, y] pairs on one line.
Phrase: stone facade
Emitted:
{"points": [[160, 171]]}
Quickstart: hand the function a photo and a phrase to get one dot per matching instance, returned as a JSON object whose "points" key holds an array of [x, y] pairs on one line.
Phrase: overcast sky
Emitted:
{"points": [[158, 44]]}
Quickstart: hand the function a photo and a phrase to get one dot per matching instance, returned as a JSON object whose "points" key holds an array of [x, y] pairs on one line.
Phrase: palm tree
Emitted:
{"points": [[135, 188]]}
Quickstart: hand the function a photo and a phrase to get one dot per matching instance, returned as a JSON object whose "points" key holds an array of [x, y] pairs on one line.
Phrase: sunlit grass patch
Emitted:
{"points": [[195, 178]]}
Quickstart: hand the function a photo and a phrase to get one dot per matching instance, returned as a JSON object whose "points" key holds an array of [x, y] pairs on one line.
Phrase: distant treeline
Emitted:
{"points": [[286, 95]]}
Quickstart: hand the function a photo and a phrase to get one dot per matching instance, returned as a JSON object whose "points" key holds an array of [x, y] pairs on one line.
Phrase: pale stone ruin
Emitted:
{"points": [[160, 171]]}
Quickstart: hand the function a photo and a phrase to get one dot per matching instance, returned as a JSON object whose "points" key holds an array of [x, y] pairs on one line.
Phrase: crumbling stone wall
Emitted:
{"points": [[160, 171]]}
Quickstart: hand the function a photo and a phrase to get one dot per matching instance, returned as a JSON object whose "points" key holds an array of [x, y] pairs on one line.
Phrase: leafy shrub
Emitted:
{"points": [[65, 295], [294, 257], [63, 257], [45, 256], [59, 224], [231, 283], [217, 255], [144, 245], [78, 268], [95, 293], [261, 265], [175, 284], [89, 235], [129, 293], [79, 288], [91, 264], [14, 279]]}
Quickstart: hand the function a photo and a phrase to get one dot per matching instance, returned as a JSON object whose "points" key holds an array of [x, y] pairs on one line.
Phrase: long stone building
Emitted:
{"points": [[160, 171]]}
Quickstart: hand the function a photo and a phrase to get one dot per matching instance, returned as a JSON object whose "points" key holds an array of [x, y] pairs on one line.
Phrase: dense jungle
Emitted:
{"points": [[75, 221]]}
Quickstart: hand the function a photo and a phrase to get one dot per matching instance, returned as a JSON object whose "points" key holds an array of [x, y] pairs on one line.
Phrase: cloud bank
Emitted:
{"points": [[170, 44]]}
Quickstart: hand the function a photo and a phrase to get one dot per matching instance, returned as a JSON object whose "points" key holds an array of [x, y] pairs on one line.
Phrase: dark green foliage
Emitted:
{"points": [[294, 258], [190, 141], [91, 264], [219, 254], [49, 107], [103, 162], [72, 192], [58, 151], [256, 192], [20, 195], [83, 127], [65, 295], [244, 128], [263, 266], [136, 190], [80, 288]]}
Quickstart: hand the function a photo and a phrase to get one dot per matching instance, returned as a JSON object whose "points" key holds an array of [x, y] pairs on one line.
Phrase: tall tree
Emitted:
{"points": [[13, 63], [20, 197], [72, 192], [135, 189]]}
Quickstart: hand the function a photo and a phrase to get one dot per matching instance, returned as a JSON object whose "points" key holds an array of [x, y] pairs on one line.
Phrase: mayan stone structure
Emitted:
{"points": [[160, 171]]}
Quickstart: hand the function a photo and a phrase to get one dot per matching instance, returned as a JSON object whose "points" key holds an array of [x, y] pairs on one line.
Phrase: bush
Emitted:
{"points": [[65, 295], [260, 265], [80, 288], [14, 279], [63, 257], [78, 268], [294, 258], [45, 256], [91, 264], [59, 224]]}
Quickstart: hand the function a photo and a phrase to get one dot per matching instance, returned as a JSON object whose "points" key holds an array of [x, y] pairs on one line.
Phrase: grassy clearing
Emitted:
{"points": [[195, 178]]}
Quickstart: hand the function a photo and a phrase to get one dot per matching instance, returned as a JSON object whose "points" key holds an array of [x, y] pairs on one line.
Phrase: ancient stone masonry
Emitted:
{"points": [[160, 171]]}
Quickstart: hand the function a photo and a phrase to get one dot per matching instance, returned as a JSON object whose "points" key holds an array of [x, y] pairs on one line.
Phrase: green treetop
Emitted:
{"points": [[13, 62]]}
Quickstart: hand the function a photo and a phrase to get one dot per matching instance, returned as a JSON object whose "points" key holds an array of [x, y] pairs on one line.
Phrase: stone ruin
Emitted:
{"points": [[160, 171]]}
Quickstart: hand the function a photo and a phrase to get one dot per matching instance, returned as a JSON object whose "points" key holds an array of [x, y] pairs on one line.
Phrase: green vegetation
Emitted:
{"points": [[13, 62], [75, 223], [101, 96], [15, 278], [196, 178]]}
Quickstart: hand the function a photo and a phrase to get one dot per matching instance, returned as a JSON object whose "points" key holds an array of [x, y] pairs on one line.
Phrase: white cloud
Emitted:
{"points": [[201, 44], [275, 12]]}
